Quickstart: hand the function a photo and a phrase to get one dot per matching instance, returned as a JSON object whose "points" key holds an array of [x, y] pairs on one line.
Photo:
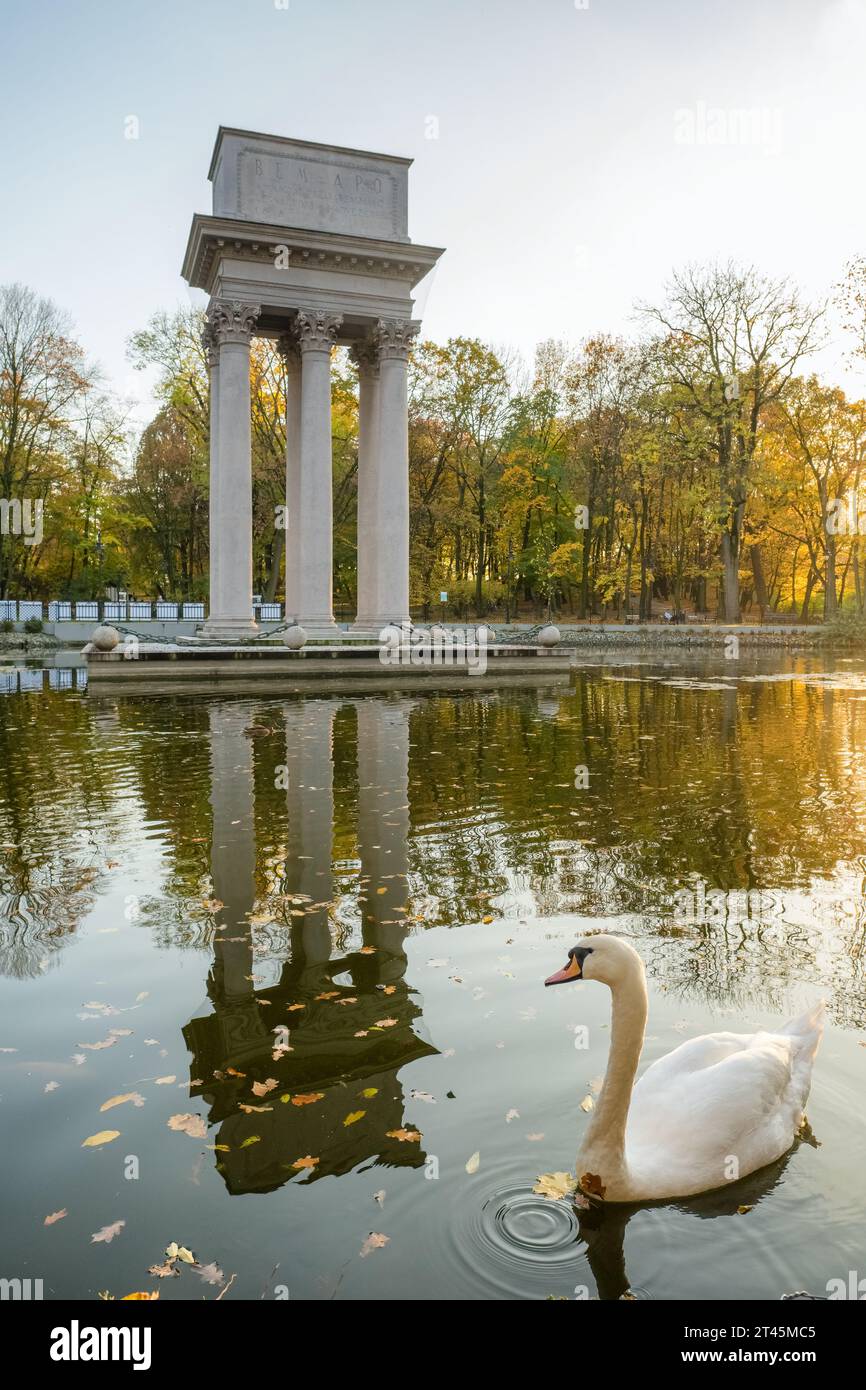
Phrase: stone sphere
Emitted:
{"points": [[294, 637], [485, 634], [105, 639], [549, 636]]}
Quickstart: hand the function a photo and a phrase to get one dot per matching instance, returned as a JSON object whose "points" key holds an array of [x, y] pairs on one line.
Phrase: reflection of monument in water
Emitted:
{"points": [[333, 1006]]}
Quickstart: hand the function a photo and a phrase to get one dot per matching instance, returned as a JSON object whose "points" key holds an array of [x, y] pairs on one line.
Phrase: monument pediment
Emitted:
{"points": [[293, 183]]}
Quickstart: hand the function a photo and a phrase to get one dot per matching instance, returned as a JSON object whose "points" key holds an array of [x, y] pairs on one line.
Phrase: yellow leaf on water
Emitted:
{"points": [[555, 1186], [261, 1088], [406, 1136], [251, 1139], [134, 1096], [374, 1241], [104, 1136], [587, 1103], [193, 1125], [369, 1091], [355, 1115], [309, 1099], [144, 1297], [307, 1162], [474, 1162], [55, 1216]]}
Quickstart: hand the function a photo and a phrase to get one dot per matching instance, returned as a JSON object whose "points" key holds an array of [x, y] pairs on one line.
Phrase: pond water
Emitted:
{"points": [[305, 940]]}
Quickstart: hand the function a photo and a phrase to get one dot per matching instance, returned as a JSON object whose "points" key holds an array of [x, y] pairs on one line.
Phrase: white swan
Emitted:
{"points": [[716, 1108]]}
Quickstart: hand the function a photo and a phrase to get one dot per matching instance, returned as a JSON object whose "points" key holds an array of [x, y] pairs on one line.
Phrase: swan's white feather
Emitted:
{"points": [[719, 1106]]}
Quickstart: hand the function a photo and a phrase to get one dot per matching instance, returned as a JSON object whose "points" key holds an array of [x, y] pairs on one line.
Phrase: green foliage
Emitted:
{"points": [[33, 625]]}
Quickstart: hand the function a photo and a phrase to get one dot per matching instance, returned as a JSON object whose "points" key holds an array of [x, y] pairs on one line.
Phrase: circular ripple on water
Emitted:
{"points": [[522, 1245]]}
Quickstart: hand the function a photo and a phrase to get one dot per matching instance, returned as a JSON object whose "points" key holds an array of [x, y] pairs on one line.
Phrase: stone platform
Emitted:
{"points": [[199, 668]]}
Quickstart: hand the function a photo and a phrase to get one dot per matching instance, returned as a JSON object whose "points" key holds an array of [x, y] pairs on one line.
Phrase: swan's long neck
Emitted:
{"points": [[604, 1144]]}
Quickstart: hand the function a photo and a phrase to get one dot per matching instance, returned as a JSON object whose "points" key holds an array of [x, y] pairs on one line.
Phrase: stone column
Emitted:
{"points": [[211, 347], [231, 608], [383, 829], [390, 541], [290, 353], [313, 536], [366, 356]]}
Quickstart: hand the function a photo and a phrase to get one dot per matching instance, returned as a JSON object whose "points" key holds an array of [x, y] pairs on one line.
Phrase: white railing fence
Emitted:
{"points": [[121, 610]]}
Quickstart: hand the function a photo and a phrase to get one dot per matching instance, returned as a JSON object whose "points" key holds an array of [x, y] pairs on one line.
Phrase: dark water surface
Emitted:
{"points": [[352, 902]]}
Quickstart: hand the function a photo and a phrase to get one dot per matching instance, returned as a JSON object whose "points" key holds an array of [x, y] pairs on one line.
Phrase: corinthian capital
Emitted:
{"points": [[365, 355], [210, 345], [287, 347], [232, 321], [316, 330], [394, 338]]}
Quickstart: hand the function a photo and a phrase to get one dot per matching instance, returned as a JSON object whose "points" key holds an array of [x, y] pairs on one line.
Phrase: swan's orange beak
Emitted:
{"points": [[571, 971]]}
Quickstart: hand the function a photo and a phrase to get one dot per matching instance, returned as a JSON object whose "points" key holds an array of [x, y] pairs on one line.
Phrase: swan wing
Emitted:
{"points": [[720, 1106]]}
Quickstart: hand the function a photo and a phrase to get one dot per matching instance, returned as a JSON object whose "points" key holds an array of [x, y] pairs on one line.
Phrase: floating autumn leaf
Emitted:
{"points": [[487, 920], [255, 1109], [367, 951], [232, 1071], [211, 1274], [306, 1162], [741, 1210], [405, 1136], [104, 1136], [120, 1032], [185, 1255], [385, 1023], [390, 989], [332, 994], [261, 1088], [512, 1115], [166, 1271], [292, 1007], [555, 1186], [354, 1117], [55, 1216], [141, 1297], [133, 1096], [474, 1163], [591, 1184], [374, 1241], [309, 1099], [251, 1139], [107, 1233], [587, 1103], [379, 1197], [193, 1125], [350, 999], [98, 1046], [165, 1081], [370, 1091], [361, 1033], [52, 1085]]}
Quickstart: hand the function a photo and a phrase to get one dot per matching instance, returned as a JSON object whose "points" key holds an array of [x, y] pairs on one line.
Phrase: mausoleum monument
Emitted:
{"points": [[309, 245]]}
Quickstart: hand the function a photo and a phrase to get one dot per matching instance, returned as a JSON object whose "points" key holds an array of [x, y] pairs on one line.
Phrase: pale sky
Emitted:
{"points": [[580, 153]]}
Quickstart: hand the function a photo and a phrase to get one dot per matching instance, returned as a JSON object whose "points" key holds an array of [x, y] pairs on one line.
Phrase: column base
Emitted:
{"points": [[225, 629], [318, 627], [375, 625]]}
